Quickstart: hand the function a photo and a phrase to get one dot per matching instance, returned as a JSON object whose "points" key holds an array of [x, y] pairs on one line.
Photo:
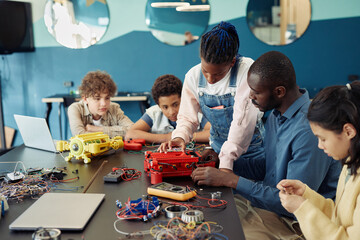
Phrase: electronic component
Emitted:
{"points": [[53, 174], [171, 164], [215, 195], [47, 233], [14, 176], [192, 216], [171, 191], [30, 171], [129, 173], [87, 145], [141, 206], [174, 211], [114, 176], [134, 144], [142, 209]]}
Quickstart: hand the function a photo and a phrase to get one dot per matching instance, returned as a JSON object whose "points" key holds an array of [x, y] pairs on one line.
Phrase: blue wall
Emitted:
{"points": [[326, 54]]}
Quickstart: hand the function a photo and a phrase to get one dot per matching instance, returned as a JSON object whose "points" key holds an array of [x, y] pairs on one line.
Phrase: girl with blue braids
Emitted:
{"points": [[216, 87]]}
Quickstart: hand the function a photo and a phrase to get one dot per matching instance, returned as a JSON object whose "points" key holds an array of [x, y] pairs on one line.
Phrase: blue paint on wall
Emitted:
{"points": [[325, 55]]}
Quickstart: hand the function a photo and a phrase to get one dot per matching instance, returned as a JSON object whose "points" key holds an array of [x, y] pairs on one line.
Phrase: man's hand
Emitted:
{"points": [[176, 142], [214, 177], [209, 155]]}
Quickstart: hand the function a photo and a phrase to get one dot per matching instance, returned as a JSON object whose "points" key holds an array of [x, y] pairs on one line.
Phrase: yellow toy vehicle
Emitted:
{"points": [[84, 146]]}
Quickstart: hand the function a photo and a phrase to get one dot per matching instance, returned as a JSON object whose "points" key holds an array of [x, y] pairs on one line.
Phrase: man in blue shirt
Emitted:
{"points": [[290, 152]]}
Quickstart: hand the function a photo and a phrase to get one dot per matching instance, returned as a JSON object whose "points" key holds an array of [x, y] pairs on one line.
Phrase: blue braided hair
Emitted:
{"points": [[220, 45]]}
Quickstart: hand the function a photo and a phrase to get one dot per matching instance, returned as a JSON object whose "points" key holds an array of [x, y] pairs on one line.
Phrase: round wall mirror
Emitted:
{"points": [[76, 23], [278, 22], [177, 23]]}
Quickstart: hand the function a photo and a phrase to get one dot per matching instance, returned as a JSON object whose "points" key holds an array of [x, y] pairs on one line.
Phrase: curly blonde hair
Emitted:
{"points": [[97, 82]]}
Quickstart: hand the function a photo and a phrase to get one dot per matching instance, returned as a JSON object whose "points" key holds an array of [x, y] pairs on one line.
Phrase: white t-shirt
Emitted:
{"points": [[192, 79]]}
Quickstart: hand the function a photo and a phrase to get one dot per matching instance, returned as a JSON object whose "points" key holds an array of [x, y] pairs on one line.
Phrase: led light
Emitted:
{"points": [[169, 4], [193, 8]]}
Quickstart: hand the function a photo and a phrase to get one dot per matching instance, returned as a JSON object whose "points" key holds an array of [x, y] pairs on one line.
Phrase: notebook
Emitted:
{"points": [[35, 132], [64, 211]]}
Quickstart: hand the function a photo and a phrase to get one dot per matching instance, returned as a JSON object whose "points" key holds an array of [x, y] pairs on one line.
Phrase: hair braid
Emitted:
{"points": [[220, 45]]}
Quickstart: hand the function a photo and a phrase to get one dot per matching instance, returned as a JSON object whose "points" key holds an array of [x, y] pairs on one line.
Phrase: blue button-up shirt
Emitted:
{"points": [[291, 152]]}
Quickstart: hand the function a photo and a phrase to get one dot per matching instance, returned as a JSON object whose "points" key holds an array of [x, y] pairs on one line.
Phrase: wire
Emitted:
{"points": [[175, 228], [62, 156], [130, 174], [16, 164], [30, 186]]}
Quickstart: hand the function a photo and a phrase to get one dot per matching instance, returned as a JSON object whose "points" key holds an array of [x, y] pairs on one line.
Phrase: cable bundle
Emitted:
{"points": [[31, 186], [175, 229], [35, 183]]}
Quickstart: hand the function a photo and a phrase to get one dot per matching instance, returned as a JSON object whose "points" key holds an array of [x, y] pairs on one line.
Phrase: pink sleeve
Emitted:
{"points": [[187, 122], [241, 129]]}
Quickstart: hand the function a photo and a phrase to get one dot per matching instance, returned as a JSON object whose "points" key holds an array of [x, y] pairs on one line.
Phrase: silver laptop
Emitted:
{"points": [[35, 132], [64, 211]]}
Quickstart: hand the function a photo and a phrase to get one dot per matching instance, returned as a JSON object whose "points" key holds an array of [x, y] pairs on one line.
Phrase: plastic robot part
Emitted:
{"points": [[192, 216], [134, 144], [85, 146], [172, 164]]}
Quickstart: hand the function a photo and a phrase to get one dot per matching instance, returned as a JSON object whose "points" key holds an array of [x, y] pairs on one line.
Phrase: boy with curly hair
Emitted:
{"points": [[158, 122], [95, 112]]}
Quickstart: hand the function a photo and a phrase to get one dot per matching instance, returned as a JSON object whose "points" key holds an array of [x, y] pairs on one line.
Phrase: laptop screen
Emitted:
{"points": [[35, 132]]}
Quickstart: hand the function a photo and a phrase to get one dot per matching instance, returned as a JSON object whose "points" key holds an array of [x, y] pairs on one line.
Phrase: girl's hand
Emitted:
{"points": [[290, 202], [291, 187], [176, 142]]}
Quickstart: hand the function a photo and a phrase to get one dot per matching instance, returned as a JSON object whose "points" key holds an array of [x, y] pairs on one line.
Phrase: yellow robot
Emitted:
{"points": [[84, 146]]}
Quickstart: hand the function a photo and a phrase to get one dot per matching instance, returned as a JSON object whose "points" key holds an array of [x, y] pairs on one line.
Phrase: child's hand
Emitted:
{"points": [[176, 142], [291, 187], [290, 202]]}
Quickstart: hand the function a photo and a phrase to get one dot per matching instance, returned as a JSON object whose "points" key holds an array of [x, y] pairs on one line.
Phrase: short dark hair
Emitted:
{"points": [[335, 106], [220, 45], [166, 85], [275, 69], [97, 82]]}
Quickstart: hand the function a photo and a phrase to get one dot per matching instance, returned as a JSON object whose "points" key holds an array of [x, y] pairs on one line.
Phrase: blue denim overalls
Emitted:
{"points": [[221, 119]]}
